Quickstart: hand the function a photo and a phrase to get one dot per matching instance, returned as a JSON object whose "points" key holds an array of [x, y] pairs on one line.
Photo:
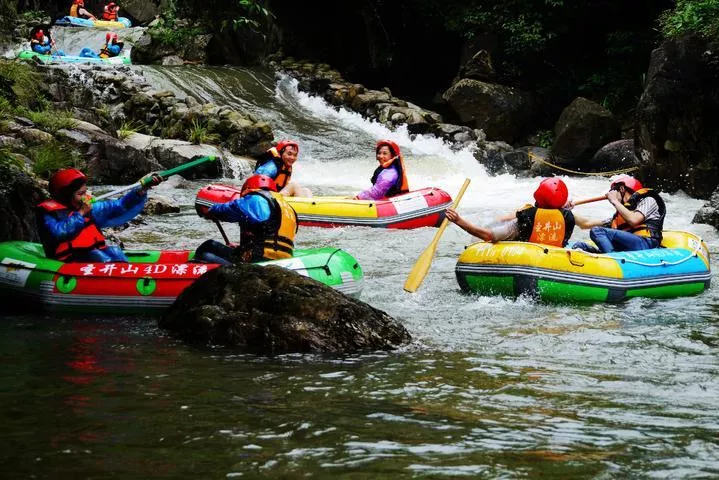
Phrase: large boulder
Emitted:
{"points": [[19, 194], [270, 310], [142, 11], [617, 155], [709, 213], [583, 128], [498, 110], [677, 113]]}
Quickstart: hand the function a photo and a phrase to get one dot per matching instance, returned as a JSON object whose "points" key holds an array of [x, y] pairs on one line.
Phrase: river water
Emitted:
{"points": [[489, 388]]}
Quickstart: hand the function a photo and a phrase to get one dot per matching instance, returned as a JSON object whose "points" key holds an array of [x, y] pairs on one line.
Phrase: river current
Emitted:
{"points": [[489, 388]]}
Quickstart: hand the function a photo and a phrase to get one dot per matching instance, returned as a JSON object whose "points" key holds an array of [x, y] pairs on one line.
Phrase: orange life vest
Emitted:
{"points": [[273, 239], [284, 173], [89, 238], [546, 226], [110, 14], [401, 186], [73, 10], [650, 228]]}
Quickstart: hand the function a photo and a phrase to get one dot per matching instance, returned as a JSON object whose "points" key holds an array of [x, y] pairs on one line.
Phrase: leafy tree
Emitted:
{"points": [[691, 16]]}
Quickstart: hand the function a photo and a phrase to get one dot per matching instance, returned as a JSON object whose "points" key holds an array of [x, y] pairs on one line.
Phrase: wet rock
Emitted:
{"points": [[158, 205], [677, 114], [19, 194], [583, 128], [709, 213], [614, 156], [498, 110], [271, 310]]}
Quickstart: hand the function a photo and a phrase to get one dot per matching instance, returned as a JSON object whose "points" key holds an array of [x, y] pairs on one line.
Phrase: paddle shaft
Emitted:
{"points": [[164, 174], [421, 267], [590, 200]]}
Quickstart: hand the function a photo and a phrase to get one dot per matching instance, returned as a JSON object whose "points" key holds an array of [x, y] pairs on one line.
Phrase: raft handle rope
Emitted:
{"points": [[662, 263], [604, 174]]}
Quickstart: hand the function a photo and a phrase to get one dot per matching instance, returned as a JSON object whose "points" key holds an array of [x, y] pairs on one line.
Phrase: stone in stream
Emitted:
{"points": [[271, 310]]}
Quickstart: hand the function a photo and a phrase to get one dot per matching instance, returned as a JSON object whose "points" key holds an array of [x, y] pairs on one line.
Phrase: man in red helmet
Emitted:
{"points": [[268, 225], [41, 42], [546, 222], [110, 12], [78, 10], [389, 178], [112, 47], [637, 222], [277, 164], [69, 225]]}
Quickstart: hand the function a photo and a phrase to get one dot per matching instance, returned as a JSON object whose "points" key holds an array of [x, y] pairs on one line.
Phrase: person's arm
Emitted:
{"points": [[385, 180], [66, 228], [41, 48], [632, 217], [470, 228], [251, 209], [586, 224], [114, 49]]}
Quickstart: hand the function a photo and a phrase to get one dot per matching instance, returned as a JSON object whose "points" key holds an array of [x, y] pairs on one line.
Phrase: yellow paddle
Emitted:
{"points": [[421, 267]]}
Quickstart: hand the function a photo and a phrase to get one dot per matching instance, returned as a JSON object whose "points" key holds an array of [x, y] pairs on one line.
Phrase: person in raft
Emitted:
{"points": [[70, 225], [546, 222], [43, 44], [268, 225], [277, 163], [78, 10], [110, 12], [389, 178], [112, 48], [637, 223]]}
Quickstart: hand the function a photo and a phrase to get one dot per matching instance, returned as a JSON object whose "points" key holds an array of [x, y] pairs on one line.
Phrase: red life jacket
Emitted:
{"points": [[650, 228], [89, 238], [546, 226], [110, 14]]}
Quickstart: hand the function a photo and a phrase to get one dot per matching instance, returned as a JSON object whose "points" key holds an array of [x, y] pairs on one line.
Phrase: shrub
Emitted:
{"points": [[691, 16], [128, 128], [49, 158], [199, 132]]}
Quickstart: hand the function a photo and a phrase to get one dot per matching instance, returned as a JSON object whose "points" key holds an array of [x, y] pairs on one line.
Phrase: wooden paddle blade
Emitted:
{"points": [[421, 267]]}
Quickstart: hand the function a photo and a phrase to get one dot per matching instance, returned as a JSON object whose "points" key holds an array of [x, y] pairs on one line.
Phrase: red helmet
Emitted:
{"points": [[258, 182], [282, 144], [109, 36], [111, 4], [551, 193], [628, 181], [392, 146], [65, 178], [39, 34], [79, 2]]}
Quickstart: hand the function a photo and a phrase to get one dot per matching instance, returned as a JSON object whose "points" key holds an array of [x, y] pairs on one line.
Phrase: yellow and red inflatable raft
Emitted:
{"points": [[681, 267], [419, 208]]}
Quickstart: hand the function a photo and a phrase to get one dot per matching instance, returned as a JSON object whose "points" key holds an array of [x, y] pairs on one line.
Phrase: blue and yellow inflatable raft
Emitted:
{"points": [[681, 267]]}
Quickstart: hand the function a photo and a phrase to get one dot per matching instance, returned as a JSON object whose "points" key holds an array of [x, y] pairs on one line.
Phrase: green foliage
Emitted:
{"points": [[691, 16], [199, 132], [173, 33], [19, 84], [50, 157], [51, 120], [128, 128], [7, 157], [545, 138]]}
